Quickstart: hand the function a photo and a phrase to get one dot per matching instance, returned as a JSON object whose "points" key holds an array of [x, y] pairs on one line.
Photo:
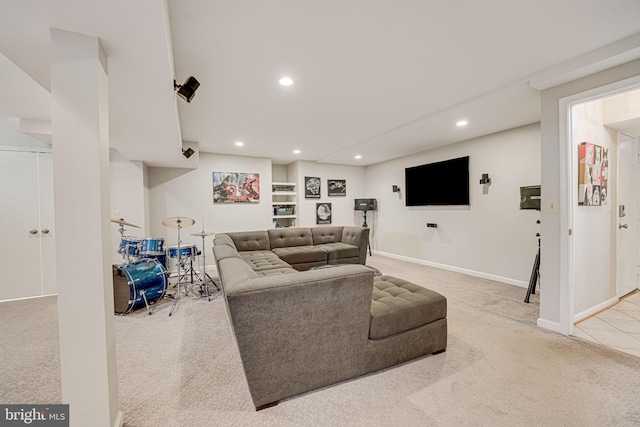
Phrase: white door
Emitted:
{"points": [[627, 215], [27, 255], [47, 224]]}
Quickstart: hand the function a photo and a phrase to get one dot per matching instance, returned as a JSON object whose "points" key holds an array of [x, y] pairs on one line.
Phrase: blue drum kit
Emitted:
{"points": [[142, 279]]}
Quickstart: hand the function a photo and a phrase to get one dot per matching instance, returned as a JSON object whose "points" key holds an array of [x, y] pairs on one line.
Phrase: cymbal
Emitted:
{"points": [[204, 233], [121, 221], [178, 222]]}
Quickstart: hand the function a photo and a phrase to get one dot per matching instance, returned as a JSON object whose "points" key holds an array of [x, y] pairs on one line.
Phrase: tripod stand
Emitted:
{"points": [[535, 273], [364, 225]]}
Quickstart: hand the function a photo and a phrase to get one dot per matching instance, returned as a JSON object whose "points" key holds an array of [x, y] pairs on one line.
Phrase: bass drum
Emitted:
{"points": [[137, 281]]}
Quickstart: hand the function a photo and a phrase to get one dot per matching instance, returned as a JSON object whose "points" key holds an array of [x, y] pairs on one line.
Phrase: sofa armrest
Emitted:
{"points": [[299, 332], [357, 236]]}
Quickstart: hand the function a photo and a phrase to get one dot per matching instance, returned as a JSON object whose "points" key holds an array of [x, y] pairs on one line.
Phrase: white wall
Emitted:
{"points": [[279, 173], [342, 207], [594, 241], [11, 136], [555, 299], [181, 192], [128, 198], [494, 238]]}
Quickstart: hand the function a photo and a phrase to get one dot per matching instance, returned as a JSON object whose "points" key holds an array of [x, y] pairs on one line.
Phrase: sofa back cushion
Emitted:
{"points": [[322, 235], [225, 251], [223, 239], [357, 236], [250, 240], [289, 237]]}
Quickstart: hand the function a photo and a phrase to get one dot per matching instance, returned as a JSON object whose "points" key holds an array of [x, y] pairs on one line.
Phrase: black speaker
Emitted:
{"points": [[365, 204], [530, 197], [188, 89]]}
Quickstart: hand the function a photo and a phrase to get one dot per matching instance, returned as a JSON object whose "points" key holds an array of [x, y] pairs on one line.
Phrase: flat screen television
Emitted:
{"points": [[438, 184]]}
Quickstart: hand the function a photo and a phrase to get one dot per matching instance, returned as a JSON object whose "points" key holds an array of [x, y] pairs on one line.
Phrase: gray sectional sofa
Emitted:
{"points": [[300, 325]]}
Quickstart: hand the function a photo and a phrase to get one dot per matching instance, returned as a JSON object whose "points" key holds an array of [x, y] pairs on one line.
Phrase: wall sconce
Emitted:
{"points": [[485, 179], [395, 189]]}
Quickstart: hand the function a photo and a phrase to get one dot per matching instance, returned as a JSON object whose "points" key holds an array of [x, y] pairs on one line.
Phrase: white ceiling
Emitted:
{"points": [[377, 78]]}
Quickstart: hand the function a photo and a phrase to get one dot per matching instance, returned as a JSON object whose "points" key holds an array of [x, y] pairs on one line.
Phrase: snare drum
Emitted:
{"points": [[129, 246], [151, 246], [185, 251], [134, 282]]}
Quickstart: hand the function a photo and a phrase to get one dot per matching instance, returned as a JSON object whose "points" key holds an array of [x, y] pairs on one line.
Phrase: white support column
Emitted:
{"points": [[83, 246]]}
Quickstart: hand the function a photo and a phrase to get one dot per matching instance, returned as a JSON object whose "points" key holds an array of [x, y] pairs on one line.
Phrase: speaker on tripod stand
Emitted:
{"points": [[535, 272], [366, 205]]}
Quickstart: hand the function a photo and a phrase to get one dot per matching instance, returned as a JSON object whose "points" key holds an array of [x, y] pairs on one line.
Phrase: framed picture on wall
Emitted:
{"points": [[323, 213], [311, 187], [236, 187], [593, 174], [337, 187]]}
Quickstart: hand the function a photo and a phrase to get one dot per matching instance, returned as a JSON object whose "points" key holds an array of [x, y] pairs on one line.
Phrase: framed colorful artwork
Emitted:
{"points": [[593, 174], [236, 187]]}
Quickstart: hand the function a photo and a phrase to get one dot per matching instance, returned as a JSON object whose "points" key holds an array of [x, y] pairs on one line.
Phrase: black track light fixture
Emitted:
{"points": [[187, 90], [188, 152]]}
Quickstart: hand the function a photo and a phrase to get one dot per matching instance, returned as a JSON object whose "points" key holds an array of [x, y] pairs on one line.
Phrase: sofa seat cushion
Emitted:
{"points": [[263, 260], [399, 306], [276, 271], [339, 250], [301, 254]]}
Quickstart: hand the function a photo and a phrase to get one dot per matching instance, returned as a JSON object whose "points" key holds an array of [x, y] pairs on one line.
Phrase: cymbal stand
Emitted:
{"points": [[125, 253], [178, 295], [202, 279]]}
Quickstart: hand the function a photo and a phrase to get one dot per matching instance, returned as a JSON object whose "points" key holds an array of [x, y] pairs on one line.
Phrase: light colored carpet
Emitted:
{"points": [[498, 370]]}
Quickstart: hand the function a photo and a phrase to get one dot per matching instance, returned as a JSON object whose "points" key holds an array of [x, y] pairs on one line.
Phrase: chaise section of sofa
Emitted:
{"points": [[297, 331], [324, 314]]}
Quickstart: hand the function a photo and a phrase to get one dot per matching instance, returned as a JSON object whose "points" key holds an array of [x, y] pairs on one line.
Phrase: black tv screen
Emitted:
{"points": [[438, 184]]}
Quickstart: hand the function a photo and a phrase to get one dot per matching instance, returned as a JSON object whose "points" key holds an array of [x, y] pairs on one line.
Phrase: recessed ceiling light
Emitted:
{"points": [[462, 123], [239, 144], [358, 157], [296, 151], [285, 81]]}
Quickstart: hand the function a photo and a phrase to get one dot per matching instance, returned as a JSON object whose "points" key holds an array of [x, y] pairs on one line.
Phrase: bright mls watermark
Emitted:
{"points": [[34, 415]]}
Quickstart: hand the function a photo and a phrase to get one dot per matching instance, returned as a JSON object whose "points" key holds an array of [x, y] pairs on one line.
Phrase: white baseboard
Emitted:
{"points": [[23, 298], [595, 309], [119, 421], [474, 273], [547, 324]]}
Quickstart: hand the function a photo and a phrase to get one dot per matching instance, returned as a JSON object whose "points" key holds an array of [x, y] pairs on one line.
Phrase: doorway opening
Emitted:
{"points": [[604, 196]]}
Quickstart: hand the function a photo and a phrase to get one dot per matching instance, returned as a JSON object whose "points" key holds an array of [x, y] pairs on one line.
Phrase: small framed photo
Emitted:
{"points": [[337, 187], [323, 213], [311, 187]]}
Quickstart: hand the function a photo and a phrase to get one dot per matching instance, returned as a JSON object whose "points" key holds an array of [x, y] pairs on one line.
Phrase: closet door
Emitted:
{"points": [[47, 224], [19, 225]]}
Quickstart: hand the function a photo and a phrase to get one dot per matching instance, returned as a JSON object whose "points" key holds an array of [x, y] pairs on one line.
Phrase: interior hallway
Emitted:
{"points": [[617, 327]]}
